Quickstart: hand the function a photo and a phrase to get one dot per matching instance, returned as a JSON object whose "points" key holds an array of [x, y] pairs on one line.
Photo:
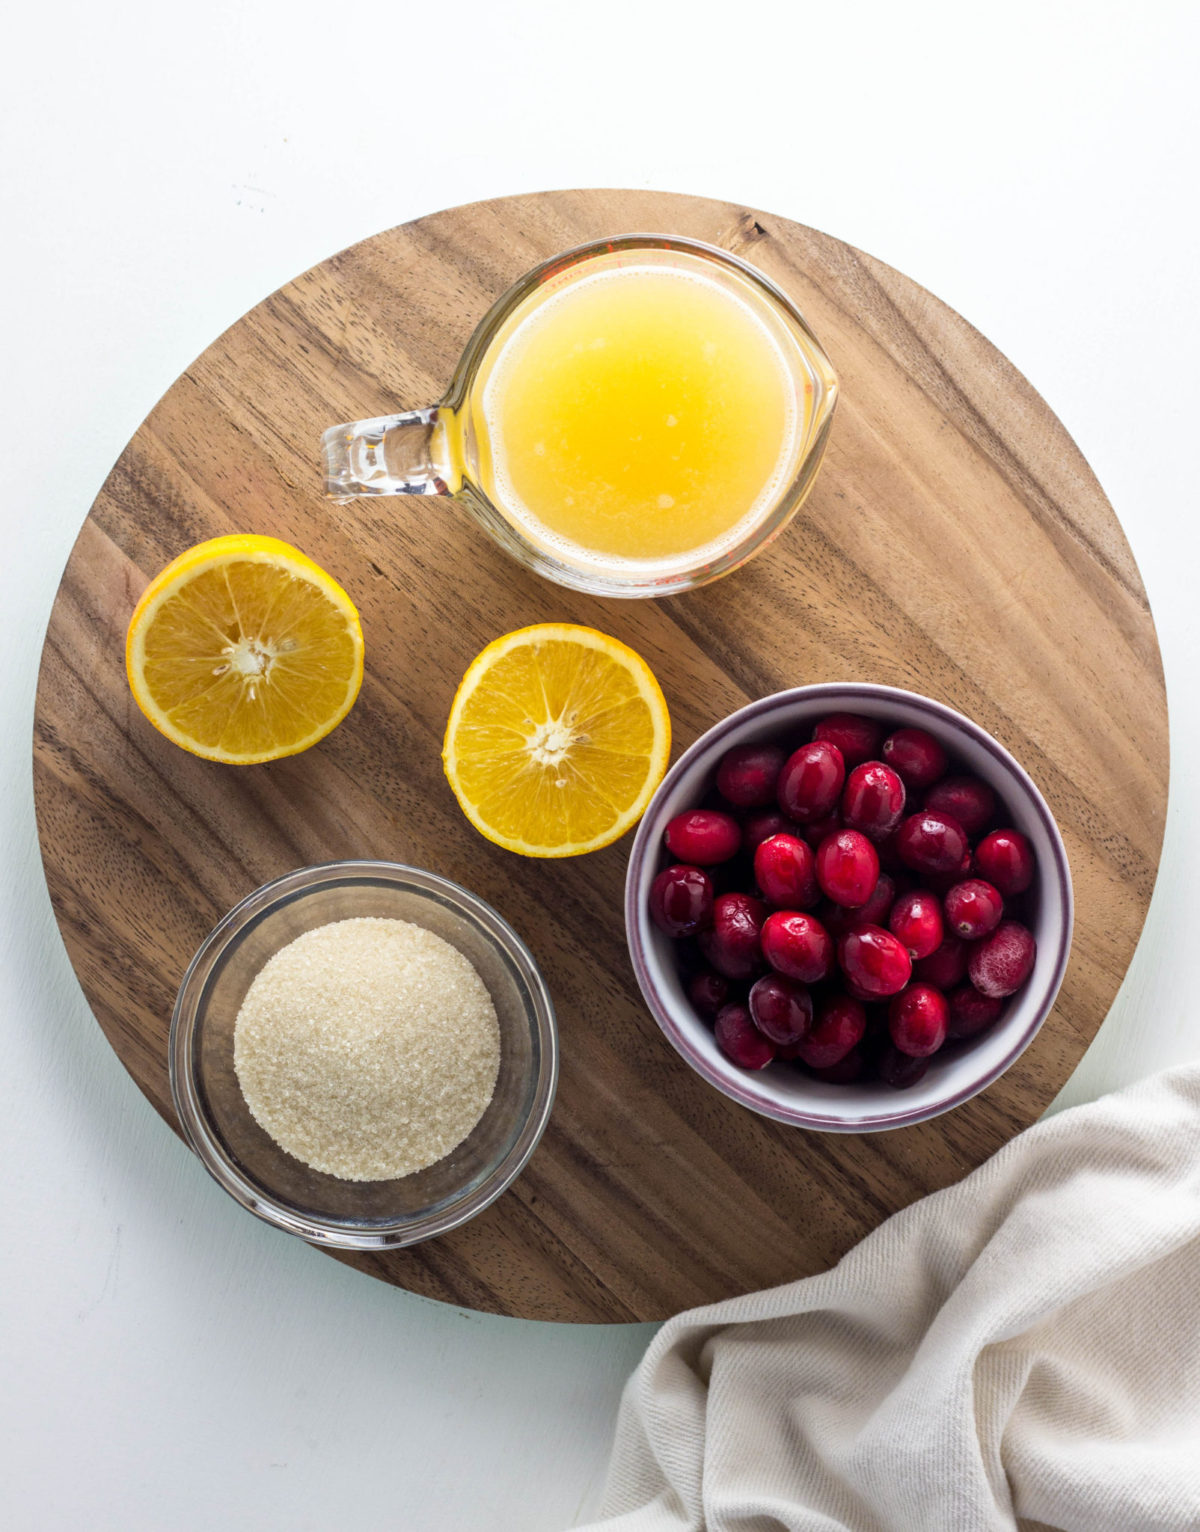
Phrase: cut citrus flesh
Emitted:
{"points": [[243, 650], [557, 738]]}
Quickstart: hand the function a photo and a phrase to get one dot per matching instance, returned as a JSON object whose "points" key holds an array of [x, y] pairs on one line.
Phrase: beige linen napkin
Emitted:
{"points": [[1020, 1350]]}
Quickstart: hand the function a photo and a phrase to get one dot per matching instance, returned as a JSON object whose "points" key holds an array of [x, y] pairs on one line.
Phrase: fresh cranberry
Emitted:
{"points": [[878, 907], [971, 1012], [917, 1020], [944, 968], [874, 961], [821, 829], [857, 738], [681, 900], [708, 991], [847, 867], [1005, 859], [873, 800], [781, 1009], [916, 756], [838, 1026], [966, 799], [760, 826], [929, 842], [973, 909], [857, 992], [811, 781], [1001, 962], [798, 946], [704, 836], [784, 869], [731, 942], [740, 1040], [916, 922], [747, 775], [846, 1070], [900, 1070]]}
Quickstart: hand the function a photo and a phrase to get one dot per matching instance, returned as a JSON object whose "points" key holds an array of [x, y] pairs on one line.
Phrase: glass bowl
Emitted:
{"points": [[959, 1070], [360, 1215]]}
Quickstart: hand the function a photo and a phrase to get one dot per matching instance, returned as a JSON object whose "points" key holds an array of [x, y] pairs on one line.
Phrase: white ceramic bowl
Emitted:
{"points": [[959, 1070]]}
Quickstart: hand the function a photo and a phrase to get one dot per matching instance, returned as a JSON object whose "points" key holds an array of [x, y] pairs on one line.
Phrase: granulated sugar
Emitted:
{"points": [[367, 1048]]}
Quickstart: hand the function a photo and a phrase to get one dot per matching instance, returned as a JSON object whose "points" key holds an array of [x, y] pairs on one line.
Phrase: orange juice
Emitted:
{"points": [[643, 414]]}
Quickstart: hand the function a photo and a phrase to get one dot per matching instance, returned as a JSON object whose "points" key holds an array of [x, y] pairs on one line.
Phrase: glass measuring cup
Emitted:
{"points": [[456, 447]]}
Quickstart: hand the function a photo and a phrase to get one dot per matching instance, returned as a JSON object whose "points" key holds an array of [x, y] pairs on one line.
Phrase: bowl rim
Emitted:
{"points": [[644, 850], [194, 1122]]}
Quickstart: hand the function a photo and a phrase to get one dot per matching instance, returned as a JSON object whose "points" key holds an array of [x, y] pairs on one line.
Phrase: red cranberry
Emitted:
{"points": [[917, 1020], [784, 869], [1001, 962], [916, 921], [877, 908], [857, 738], [704, 836], [837, 1027], [681, 900], [781, 1009], [846, 1070], [916, 756], [759, 827], [811, 781], [708, 991], [974, 909], [731, 943], [873, 799], [856, 991], [1005, 859], [798, 946], [874, 961], [971, 1012], [847, 867], [932, 843], [821, 829], [941, 883], [944, 968], [966, 799], [747, 775], [740, 1040], [900, 1070]]}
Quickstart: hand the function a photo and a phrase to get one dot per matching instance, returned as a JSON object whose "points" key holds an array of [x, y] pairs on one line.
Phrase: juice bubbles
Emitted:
{"points": [[644, 414]]}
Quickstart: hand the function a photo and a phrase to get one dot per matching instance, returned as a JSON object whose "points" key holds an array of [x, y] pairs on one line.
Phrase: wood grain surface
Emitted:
{"points": [[956, 543]]}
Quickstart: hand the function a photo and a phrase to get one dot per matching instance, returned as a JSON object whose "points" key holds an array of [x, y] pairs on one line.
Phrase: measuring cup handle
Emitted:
{"points": [[392, 455]]}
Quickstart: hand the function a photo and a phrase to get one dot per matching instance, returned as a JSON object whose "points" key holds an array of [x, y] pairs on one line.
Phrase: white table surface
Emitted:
{"points": [[167, 1361]]}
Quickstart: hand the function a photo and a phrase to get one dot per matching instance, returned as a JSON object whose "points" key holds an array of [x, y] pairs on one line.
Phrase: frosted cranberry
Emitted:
{"points": [[845, 1071], [708, 991], [916, 756], [900, 1070], [1005, 859], [916, 922], [740, 1040], [1001, 962], [759, 827], [971, 1012], [874, 960], [748, 774], [811, 781], [973, 909], [930, 842], [847, 867], [944, 968], [966, 799], [798, 946], [857, 738], [917, 1020], [704, 836], [873, 799], [821, 829], [731, 942], [838, 1026], [681, 900], [784, 869], [781, 1009]]}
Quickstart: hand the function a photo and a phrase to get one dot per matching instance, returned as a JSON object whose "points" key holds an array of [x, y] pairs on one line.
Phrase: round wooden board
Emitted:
{"points": [[956, 543]]}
